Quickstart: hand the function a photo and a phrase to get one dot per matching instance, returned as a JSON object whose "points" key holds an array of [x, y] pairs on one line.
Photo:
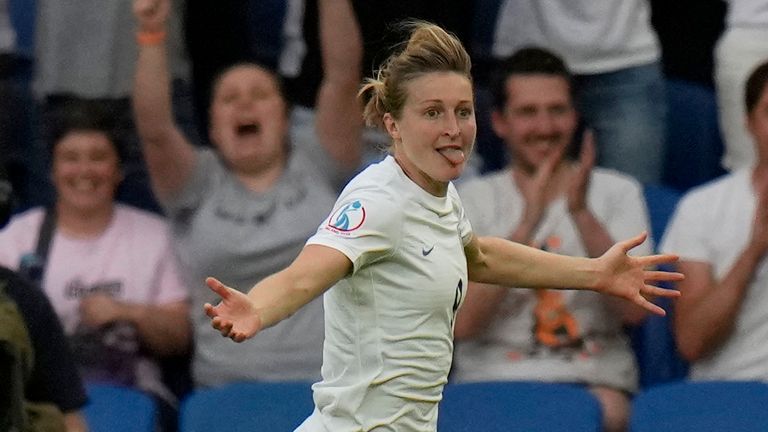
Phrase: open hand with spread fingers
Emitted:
{"points": [[627, 277], [235, 316]]}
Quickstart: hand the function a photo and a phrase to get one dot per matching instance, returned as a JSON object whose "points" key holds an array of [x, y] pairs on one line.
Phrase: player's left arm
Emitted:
{"points": [[501, 262]]}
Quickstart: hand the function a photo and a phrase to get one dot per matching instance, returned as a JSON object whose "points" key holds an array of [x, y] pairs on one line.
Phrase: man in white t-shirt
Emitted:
{"points": [[547, 200], [720, 231], [614, 53]]}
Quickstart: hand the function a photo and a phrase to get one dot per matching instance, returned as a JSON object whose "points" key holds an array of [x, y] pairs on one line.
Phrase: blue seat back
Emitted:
{"points": [[661, 202], [694, 144], [247, 406], [517, 406], [702, 407], [653, 341], [119, 409]]}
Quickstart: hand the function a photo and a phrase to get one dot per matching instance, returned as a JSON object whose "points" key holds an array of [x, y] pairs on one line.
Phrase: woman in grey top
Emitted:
{"points": [[244, 209]]}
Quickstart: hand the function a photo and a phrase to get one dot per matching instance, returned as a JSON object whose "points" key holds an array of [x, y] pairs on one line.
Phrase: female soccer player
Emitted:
{"points": [[396, 253]]}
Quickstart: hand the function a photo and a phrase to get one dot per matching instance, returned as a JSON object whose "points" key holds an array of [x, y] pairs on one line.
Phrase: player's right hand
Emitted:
{"points": [[235, 316]]}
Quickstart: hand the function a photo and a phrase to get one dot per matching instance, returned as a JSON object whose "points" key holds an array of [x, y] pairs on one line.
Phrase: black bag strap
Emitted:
{"points": [[44, 237]]}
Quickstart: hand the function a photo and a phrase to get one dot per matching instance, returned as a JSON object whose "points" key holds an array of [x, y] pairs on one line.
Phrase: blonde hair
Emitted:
{"points": [[429, 49]]}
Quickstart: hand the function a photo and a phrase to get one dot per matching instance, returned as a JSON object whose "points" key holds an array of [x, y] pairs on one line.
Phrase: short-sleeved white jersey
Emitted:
{"points": [[389, 324]]}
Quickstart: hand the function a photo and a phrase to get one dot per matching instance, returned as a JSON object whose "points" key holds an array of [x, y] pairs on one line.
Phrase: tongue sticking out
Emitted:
{"points": [[454, 155]]}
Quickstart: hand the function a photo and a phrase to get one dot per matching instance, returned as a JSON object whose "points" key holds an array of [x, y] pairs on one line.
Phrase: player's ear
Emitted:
{"points": [[391, 125]]}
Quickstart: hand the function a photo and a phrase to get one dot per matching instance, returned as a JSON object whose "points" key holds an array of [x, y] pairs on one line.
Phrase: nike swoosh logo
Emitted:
{"points": [[426, 252]]}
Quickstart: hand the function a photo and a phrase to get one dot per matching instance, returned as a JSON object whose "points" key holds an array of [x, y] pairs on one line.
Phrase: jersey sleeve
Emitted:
{"points": [[465, 227], [364, 226]]}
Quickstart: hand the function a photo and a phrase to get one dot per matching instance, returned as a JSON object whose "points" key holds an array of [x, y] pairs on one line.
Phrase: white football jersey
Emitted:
{"points": [[389, 324]]}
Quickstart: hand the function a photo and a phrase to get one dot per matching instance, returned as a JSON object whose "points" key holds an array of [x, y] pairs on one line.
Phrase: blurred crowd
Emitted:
{"points": [[147, 144]]}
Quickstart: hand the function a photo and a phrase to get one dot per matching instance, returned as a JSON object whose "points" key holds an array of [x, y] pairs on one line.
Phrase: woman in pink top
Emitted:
{"points": [[107, 268]]}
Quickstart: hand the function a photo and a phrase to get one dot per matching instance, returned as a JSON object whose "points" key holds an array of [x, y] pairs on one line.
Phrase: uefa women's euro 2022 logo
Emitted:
{"points": [[347, 218]]}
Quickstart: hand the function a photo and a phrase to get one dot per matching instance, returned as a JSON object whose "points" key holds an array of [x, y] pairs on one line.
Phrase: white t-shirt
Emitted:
{"points": [[595, 349], [712, 224], [747, 13], [88, 48], [389, 325], [592, 36], [131, 261]]}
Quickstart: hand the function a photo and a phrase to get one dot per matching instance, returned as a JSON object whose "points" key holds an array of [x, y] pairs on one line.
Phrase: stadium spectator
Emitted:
{"points": [[618, 84], [720, 231], [551, 197], [107, 268], [243, 208]]}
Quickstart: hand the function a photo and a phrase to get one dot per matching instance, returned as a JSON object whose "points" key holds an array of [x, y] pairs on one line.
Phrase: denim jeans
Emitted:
{"points": [[627, 111]]}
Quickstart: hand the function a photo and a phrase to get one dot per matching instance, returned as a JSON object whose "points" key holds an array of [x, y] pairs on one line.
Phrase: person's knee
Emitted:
{"points": [[615, 405]]}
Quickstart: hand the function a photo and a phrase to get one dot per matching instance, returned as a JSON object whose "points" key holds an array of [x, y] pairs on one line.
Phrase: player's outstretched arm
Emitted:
{"points": [[501, 262], [240, 316]]}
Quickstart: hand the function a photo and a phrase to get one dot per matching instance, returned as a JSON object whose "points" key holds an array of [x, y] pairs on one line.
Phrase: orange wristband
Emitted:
{"points": [[148, 38]]}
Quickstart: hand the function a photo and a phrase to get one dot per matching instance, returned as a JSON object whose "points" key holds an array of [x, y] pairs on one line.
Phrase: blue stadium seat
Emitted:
{"points": [[694, 144], [119, 409], [518, 406], [653, 340], [247, 407], [657, 357], [661, 202], [702, 407]]}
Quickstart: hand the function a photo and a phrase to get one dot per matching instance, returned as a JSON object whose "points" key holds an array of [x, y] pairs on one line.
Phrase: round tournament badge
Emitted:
{"points": [[348, 217]]}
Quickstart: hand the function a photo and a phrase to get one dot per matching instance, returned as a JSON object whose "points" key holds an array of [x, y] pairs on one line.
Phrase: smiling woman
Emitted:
{"points": [[86, 167], [86, 172], [105, 266]]}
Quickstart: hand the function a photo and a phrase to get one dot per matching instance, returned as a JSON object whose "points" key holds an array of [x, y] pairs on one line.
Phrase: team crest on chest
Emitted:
{"points": [[348, 217]]}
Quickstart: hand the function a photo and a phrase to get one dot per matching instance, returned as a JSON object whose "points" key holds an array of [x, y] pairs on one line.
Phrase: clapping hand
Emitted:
{"points": [[577, 191]]}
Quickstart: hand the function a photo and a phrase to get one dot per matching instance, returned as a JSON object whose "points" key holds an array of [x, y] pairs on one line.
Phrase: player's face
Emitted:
{"points": [[248, 119], [757, 123], [85, 171], [434, 135], [538, 119]]}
